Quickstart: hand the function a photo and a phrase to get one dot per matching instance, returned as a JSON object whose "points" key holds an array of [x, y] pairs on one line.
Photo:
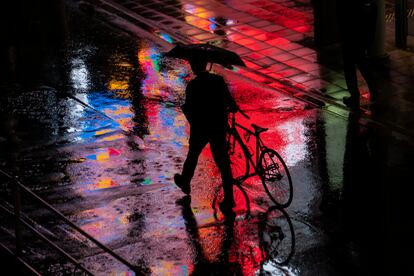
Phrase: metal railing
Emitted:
{"points": [[17, 188], [20, 260]]}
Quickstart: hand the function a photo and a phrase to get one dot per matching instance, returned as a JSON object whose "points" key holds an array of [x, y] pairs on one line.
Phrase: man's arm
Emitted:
{"points": [[228, 98]]}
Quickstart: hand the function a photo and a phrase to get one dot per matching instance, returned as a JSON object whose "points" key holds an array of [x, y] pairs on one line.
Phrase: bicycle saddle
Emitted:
{"points": [[258, 129]]}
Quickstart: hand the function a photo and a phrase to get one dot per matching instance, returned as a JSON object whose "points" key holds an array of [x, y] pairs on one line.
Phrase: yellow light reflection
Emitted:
{"points": [[102, 156], [118, 85], [196, 20], [102, 132], [93, 228], [122, 110], [113, 137], [124, 218], [124, 64], [165, 268], [103, 184]]}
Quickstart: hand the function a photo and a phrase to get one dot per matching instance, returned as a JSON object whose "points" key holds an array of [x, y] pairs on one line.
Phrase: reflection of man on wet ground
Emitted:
{"points": [[363, 213], [206, 105], [202, 266]]}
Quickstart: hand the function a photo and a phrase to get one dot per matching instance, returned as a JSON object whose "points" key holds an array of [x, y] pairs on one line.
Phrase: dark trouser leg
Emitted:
{"points": [[366, 72], [218, 147], [197, 143], [350, 71]]}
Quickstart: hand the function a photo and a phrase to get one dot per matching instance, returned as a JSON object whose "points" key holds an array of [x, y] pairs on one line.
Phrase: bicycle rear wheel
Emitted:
{"points": [[276, 178]]}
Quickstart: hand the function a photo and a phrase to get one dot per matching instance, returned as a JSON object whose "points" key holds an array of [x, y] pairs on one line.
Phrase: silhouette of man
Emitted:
{"points": [[206, 107], [356, 21]]}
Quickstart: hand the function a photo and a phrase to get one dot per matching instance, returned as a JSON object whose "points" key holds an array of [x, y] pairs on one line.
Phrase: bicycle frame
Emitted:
{"points": [[259, 146]]}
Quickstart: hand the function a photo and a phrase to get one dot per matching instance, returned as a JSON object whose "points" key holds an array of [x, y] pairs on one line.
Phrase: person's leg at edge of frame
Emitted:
{"points": [[351, 79], [366, 71]]}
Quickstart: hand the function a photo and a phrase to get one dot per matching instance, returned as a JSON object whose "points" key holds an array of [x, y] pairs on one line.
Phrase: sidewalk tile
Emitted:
{"points": [[289, 46], [205, 36], [289, 72], [245, 41], [193, 31], [266, 61], [331, 88], [251, 65], [312, 57], [295, 62], [284, 57], [242, 50], [303, 78], [316, 84], [296, 37], [234, 36], [278, 41], [271, 52], [273, 28], [255, 56], [260, 23], [302, 52], [278, 67], [339, 94], [257, 46]]}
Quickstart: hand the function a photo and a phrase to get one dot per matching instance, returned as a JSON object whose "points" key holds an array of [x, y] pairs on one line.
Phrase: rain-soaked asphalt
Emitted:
{"points": [[101, 137]]}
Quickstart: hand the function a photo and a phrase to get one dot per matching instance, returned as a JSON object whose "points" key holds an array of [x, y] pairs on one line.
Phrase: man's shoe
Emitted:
{"points": [[227, 210], [351, 101], [185, 187]]}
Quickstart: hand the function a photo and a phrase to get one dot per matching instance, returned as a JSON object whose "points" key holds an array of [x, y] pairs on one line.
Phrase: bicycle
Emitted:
{"points": [[267, 164]]}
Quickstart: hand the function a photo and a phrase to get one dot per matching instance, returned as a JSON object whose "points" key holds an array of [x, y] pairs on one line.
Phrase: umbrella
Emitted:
{"points": [[209, 53]]}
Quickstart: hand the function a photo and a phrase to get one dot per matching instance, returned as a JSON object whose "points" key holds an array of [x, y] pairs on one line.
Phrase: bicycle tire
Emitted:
{"points": [[239, 162], [277, 236], [276, 178]]}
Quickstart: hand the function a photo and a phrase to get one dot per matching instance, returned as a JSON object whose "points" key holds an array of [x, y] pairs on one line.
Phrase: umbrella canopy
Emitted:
{"points": [[207, 52]]}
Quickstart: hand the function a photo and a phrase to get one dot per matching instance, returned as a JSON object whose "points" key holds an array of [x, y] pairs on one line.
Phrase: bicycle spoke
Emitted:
{"points": [[276, 178]]}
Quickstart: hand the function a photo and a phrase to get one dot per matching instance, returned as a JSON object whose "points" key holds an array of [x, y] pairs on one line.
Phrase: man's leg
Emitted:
{"points": [[351, 79], [366, 72], [219, 150], [196, 144], [350, 72]]}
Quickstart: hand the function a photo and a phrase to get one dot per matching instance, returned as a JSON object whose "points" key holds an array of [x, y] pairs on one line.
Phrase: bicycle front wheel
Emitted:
{"points": [[276, 178]]}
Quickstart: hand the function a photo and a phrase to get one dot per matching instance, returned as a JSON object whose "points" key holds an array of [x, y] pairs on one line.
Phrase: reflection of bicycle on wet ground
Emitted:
{"points": [[263, 162], [277, 237], [274, 246]]}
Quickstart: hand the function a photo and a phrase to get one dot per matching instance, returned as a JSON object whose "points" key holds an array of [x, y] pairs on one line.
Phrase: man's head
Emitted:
{"points": [[198, 65]]}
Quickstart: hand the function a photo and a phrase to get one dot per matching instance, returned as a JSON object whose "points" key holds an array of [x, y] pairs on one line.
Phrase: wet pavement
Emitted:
{"points": [[276, 40], [101, 136]]}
